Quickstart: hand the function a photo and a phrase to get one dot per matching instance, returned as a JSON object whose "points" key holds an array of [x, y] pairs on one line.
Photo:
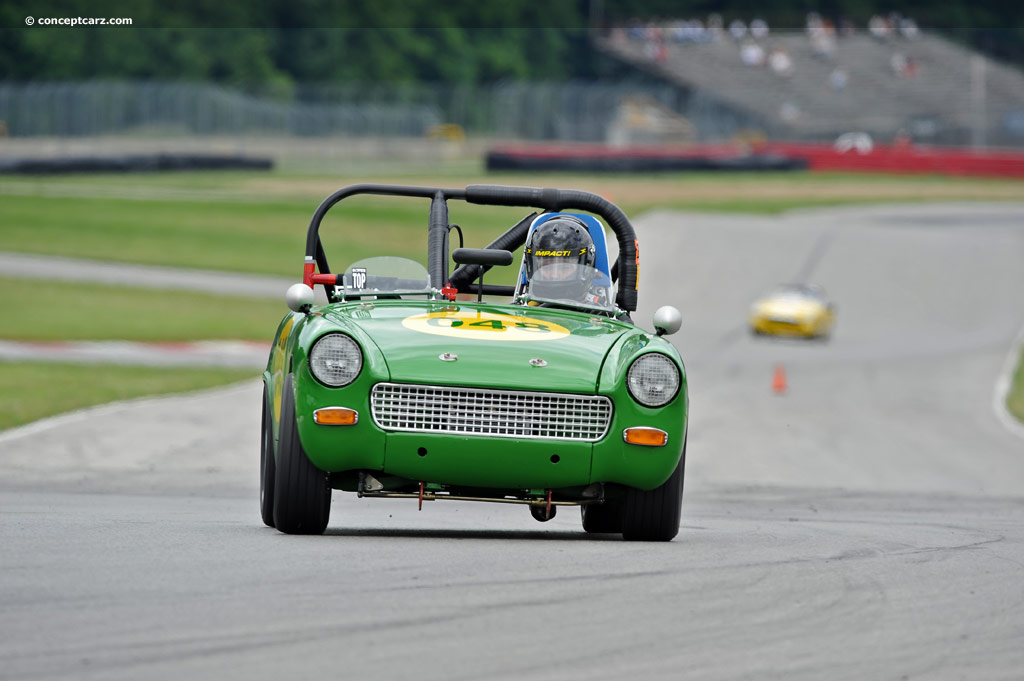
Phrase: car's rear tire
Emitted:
{"points": [[267, 468], [602, 518], [654, 515], [302, 495]]}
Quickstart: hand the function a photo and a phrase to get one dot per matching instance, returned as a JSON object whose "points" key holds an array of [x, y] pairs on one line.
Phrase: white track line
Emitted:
{"points": [[1002, 388], [79, 415]]}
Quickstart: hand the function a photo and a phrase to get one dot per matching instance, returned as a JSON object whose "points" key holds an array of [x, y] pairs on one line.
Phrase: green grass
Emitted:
{"points": [[33, 390], [256, 222], [35, 310], [1015, 398], [262, 237], [210, 235]]}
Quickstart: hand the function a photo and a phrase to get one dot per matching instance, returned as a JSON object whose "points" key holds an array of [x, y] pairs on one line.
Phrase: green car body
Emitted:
{"points": [[450, 401]]}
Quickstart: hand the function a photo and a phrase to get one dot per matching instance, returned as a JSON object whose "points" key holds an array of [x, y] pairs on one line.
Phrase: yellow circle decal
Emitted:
{"points": [[476, 325]]}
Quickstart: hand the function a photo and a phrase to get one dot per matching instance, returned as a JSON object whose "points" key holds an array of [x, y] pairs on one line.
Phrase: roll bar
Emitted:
{"points": [[627, 263]]}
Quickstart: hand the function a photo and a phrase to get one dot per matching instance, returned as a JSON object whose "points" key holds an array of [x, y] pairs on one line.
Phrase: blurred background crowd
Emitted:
{"points": [[635, 71]]}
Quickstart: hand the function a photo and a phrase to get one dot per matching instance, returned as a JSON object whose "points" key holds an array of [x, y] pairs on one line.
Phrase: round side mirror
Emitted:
{"points": [[667, 320], [299, 297]]}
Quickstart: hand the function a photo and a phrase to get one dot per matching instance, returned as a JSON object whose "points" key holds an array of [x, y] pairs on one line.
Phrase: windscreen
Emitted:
{"points": [[385, 275]]}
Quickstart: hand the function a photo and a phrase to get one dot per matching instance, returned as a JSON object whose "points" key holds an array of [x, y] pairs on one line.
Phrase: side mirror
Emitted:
{"points": [[299, 297], [482, 256], [667, 320]]}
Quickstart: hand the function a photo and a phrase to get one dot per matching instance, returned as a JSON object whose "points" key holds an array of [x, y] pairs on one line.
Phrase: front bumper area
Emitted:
{"points": [[480, 461]]}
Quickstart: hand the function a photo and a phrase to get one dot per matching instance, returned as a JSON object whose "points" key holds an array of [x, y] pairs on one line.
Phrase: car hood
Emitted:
{"points": [[495, 346]]}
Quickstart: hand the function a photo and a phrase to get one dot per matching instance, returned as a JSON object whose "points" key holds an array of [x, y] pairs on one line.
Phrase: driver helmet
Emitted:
{"points": [[560, 259]]}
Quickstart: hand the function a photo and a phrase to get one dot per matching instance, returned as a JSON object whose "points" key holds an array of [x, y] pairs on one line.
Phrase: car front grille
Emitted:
{"points": [[501, 413]]}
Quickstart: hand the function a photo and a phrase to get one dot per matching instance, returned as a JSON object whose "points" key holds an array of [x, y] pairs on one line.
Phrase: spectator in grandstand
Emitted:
{"points": [[879, 28], [688, 31], [823, 44], [759, 29], [908, 28], [813, 23], [837, 79], [678, 31], [898, 62], [822, 35], [715, 27], [789, 112], [780, 62], [737, 29], [752, 54]]}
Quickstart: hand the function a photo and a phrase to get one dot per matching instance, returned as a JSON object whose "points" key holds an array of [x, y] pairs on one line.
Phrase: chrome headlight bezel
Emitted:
{"points": [[645, 387], [335, 360]]}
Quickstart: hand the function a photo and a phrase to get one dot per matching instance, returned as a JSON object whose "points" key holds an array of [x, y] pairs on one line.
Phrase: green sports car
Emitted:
{"points": [[407, 382]]}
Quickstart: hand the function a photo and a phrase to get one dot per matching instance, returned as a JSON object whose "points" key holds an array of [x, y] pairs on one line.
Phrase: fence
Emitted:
{"points": [[540, 111], [694, 92]]}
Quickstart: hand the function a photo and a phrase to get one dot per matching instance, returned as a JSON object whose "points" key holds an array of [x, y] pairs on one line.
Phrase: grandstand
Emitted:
{"points": [[925, 89]]}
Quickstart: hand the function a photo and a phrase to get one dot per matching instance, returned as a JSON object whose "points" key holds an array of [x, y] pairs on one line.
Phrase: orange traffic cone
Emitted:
{"points": [[779, 380]]}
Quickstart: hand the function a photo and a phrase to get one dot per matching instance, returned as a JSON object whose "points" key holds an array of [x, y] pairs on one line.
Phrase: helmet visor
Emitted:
{"points": [[557, 269], [567, 282]]}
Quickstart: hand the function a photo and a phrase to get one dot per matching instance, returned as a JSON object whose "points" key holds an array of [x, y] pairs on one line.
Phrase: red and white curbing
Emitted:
{"points": [[229, 354]]}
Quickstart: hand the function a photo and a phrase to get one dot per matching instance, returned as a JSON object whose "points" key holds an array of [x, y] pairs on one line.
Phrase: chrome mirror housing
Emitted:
{"points": [[299, 297], [667, 320]]}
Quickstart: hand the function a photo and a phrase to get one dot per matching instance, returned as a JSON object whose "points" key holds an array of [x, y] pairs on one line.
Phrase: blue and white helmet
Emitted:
{"points": [[560, 257]]}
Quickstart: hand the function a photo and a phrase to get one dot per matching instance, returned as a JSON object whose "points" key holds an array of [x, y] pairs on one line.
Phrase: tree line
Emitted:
{"points": [[275, 44]]}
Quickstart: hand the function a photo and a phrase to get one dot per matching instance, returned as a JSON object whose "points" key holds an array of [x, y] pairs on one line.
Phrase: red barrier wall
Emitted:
{"points": [[881, 158], [904, 159]]}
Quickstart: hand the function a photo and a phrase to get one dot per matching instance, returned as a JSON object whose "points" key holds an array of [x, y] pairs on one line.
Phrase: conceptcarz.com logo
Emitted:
{"points": [[79, 21]]}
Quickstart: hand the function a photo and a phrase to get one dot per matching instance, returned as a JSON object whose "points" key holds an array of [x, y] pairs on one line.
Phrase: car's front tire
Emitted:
{"points": [[654, 515], [602, 518], [302, 495], [267, 468]]}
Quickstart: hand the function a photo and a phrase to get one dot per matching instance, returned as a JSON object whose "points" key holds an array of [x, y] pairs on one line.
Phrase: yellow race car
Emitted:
{"points": [[801, 310]]}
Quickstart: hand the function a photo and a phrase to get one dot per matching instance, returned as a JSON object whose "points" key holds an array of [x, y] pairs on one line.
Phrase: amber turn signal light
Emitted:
{"points": [[643, 435], [336, 416]]}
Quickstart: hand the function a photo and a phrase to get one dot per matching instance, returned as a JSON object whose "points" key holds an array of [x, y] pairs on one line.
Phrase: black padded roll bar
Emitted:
{"points": [[496, 195], [509, 241], [560, 199], [437, 240]]}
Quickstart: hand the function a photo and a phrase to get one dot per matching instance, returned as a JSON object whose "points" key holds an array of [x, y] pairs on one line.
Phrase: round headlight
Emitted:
{"points": [[653, 380], [335, 360]]}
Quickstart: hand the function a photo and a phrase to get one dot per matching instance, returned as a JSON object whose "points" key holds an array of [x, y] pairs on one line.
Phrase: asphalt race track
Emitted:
{"points": [[866, 524]]}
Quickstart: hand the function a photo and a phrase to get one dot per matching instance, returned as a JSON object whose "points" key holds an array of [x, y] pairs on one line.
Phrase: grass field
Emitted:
{"points": [[101, 312], [256, 223], [33, 390]]}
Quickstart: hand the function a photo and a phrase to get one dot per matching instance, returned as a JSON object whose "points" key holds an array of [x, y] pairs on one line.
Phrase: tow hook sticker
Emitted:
{"points": [[475, 325]]}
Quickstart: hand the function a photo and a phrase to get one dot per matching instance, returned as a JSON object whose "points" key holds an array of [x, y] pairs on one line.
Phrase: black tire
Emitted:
{"points": [[302, 495], [602, 518], [267, 467], [654, 515]]}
